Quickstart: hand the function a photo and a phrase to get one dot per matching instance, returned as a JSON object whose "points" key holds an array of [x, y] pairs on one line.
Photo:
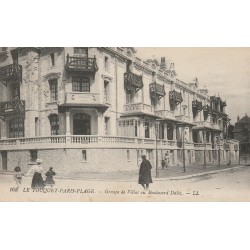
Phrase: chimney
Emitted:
{"points": [[163, 65]]}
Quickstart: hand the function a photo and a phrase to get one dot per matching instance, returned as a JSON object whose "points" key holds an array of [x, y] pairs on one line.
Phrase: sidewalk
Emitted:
{"points": [[172, 173]]}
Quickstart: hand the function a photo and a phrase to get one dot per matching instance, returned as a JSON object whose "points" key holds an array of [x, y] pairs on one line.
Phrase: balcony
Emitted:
{"points": [[139, 109], [132, 80], [175, 97], [157, 90], [83, 99], [12, 107], [197, 106], [12, 72], [165, 114], [81, 65], [183, 118], [216, 126], [206, 109]]}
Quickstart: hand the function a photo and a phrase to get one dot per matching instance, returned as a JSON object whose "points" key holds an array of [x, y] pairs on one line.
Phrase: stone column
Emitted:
{"points": [[165, 131], [174, 131], [141, 128], [210, 137], [3, 133], [100, 124], [190, 134], [68, 123]]}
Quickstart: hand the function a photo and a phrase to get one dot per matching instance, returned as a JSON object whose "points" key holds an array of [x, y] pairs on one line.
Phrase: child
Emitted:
{"points": [[18, 176], [49, 179]]}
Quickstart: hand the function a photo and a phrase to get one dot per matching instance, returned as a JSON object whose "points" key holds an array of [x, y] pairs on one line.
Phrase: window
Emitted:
{"points": [[106, 91], [80, 51], [54, 124], [80, 84], [53, 90], [15, 91], [146, 129], [36, 126], [52, 59], [130, 96], [161, 131], [107, 121], [106, 62], [16, 127], [84, 155], [33, 155]]}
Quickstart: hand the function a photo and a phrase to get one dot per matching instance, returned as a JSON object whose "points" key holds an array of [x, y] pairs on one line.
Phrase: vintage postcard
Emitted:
{"points": [[124, 124]]}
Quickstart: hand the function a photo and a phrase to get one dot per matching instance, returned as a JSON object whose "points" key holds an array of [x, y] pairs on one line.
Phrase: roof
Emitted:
{"points": [[245, 119]]}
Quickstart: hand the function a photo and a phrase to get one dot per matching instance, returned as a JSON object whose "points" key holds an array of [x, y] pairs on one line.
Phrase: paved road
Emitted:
{"points": [[233, 185]]}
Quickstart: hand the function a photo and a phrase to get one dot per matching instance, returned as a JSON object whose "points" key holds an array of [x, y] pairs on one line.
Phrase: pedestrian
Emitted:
{"points": [[18, 176], [166, 159], [163, 163], [37, 180], [49, 181], [145, 173]]}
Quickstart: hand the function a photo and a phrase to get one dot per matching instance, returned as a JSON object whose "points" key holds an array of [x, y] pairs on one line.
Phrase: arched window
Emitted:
{"points": [[16, 127], [54, 124]]}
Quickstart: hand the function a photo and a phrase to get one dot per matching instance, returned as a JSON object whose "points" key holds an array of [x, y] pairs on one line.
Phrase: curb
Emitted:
{"points": [[183, 177]]}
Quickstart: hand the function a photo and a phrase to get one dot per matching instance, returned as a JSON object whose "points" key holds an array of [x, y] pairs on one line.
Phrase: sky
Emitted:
{"points": [[223, 71]]}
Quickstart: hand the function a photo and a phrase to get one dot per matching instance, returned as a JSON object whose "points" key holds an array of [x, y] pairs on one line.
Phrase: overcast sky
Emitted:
{"points": [[222, 70]]}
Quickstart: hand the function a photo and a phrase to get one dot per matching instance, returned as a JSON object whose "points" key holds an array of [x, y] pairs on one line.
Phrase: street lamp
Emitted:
{"points": [[156, 148], [183, 148]]}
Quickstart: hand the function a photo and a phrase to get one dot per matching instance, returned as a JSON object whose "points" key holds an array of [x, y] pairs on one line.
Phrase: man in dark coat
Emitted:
{"points": [[145, 173]]}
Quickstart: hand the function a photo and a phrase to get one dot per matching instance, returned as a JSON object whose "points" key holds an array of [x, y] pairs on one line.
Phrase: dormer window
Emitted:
{"points": [[52, 59], [106, 63]]}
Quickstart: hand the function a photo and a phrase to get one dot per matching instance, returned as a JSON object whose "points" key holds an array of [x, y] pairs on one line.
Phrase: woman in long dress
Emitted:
{"points": [[49, 179], [37, 180]]}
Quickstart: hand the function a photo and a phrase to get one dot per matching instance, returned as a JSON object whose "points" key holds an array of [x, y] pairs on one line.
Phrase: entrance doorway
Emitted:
{"points": [[81, 124], [4, 160]]}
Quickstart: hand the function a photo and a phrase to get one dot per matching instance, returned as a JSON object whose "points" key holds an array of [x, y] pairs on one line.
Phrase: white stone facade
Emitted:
{"points": [[94, 99]]}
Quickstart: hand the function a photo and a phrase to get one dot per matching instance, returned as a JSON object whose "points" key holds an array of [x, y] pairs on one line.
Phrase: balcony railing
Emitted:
{"points": [[206, 108], [139, 108], [81, 64], [175, 97], [165, 114], [11, 72], [157, 89], [80, 141], [132, 80], [12, 107]]}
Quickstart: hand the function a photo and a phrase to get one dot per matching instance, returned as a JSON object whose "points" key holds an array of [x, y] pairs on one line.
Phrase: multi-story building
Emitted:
{"points": [[99, 109], [242, 134]]}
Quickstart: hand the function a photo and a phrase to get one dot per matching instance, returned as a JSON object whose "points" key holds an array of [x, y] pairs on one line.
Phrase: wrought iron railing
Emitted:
{"points": [[11, 72]]}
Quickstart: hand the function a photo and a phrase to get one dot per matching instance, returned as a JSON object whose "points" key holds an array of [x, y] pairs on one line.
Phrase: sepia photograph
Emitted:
{"points": [[124, 124]]}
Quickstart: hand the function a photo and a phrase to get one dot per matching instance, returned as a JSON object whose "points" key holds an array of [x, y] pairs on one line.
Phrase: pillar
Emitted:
{"points": [[100, 124], [3, 126], [68, 123], [210, 137], [165, 131], [174, 131], [141, 129], [190, 134]]}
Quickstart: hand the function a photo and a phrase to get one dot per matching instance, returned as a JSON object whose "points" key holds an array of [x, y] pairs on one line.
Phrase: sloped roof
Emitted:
{"points": [[245, 119]]}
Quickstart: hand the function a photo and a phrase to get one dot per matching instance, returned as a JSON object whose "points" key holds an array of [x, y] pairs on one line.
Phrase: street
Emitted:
{"points": [[232, 185]]}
